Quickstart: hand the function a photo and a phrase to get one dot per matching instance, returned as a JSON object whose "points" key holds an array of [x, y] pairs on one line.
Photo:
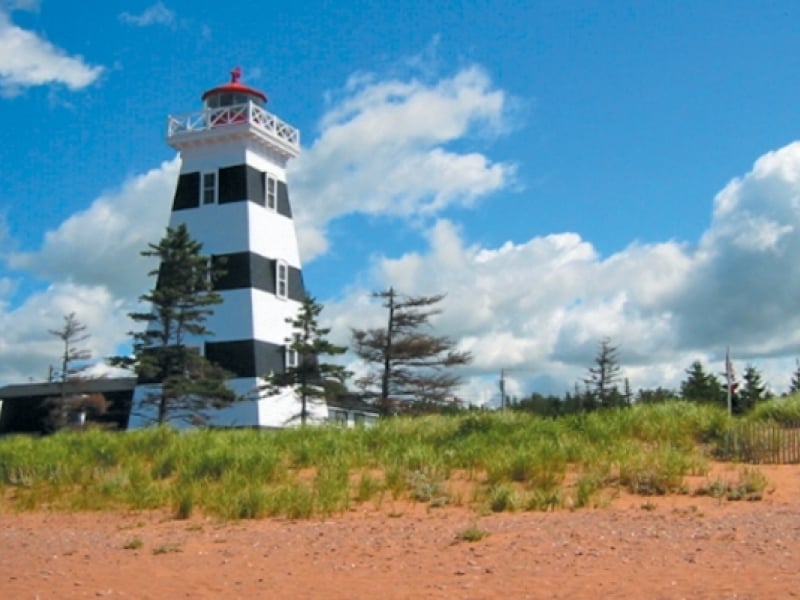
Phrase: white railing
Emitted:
{"points": [[233, 115]]}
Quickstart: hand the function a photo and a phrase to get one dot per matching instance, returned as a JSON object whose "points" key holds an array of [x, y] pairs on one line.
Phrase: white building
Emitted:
{"points": [[233, 197]]}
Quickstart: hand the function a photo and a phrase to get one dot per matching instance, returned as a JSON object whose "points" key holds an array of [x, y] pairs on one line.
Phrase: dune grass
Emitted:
{"points": [[779, 410], [491, 461]]}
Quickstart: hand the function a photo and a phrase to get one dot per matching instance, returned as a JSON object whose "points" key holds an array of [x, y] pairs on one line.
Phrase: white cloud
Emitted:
{"points": [[100, 246], [92, 261], [382, 149], [541, 306], [29, 5], [158, 14], [537, 306], [26, 347], [28, 60], [746, 279]]}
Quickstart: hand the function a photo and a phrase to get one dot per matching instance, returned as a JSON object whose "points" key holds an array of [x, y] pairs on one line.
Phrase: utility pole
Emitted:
{"points": [[729, 380], [503, 398], [502, 389]]}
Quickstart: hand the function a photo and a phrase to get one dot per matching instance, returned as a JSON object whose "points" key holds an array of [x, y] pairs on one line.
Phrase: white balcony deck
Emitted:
{"points": [[182, 126]]}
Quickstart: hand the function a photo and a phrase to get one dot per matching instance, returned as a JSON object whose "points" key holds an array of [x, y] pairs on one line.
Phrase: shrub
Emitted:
{"points": [[473, 533], [501, 498]]}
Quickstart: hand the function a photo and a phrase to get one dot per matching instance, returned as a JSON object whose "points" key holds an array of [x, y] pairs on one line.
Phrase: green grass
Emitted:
{"points": [[133, 544], [510, 460], [780, 410], [167, 548], [750, 485], [473, 533]]}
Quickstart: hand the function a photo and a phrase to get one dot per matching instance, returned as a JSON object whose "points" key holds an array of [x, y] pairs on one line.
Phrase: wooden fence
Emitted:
{"points": [[763, 443]]}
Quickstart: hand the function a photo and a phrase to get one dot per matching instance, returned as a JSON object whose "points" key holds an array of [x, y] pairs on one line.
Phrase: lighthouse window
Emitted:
{"points": [[209, 190], [281, 279], [226, 99], [271, 191], [292, 360]]}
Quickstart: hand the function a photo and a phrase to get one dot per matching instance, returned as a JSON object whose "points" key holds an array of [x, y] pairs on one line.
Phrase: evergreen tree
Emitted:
{"points": [[305, 371], [752, 392], [182, 300], [700, 386], [794, 386], [72, 335], [654, 396], [407, 363], [601, 383], [540, 404], [628, 393]]}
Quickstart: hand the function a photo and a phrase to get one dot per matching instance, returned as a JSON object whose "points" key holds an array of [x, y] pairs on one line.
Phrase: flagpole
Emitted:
{"points": [[728, 377]]}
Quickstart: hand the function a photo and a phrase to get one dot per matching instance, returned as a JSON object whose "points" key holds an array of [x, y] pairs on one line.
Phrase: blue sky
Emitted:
{"points": [[564, 171]]}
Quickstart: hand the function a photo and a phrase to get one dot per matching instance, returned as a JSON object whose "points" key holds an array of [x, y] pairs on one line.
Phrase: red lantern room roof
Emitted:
{"points": [[235, 87]]}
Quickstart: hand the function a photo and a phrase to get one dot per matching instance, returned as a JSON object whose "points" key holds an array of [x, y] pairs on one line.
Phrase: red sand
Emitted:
{"points": [[658, 547]]}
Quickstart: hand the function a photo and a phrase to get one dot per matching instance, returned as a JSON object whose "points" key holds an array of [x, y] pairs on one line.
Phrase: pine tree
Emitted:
{"points": [[700, 386], [541, 404], [752, 392], [72, 335], [794, 386], [628, 393], [408, 364], [182, 300], [307, 344], [601, 383], [654, 396]]}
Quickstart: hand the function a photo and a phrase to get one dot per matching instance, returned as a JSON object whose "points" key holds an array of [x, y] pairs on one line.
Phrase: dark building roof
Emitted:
{"points": [[87, 386], [353, 402]]}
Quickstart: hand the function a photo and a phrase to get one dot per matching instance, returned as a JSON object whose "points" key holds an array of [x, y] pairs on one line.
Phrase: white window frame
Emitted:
{"points": [[282, 279], [214, 188], [292, 359], [270, 192]]}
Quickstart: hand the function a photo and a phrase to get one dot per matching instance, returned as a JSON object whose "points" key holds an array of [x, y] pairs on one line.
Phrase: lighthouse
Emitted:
{"points": [[233, 197]]}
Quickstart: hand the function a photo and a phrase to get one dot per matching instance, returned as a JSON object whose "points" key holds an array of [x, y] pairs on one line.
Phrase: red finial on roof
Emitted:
{"points": [[236, 74]]}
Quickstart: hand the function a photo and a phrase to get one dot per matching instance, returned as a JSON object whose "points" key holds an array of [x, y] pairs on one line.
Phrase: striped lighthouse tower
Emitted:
{"points": [[233, 198]]}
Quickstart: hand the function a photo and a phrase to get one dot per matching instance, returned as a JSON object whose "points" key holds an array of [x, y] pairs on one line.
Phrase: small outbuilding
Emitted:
{"points": [[25, 407]]}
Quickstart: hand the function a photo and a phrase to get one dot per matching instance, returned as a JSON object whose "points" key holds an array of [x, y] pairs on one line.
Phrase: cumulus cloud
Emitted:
{"points": [[541, 306], [158, 14], [100, 245], [27, 348], [745, 280], [383, 149], [535, 307], [538, 307], [28, 60], [94, 268]]}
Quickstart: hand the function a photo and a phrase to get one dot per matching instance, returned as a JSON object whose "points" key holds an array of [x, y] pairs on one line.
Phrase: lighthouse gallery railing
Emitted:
{"points": [[233, 115]]}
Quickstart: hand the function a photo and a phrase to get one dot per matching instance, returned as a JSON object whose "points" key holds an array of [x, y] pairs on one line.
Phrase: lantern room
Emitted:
{"points": [[233, 93]]}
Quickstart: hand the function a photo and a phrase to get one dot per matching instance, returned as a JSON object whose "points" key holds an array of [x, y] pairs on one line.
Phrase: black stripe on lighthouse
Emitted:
{"points": [[238, 183], [240, 270], [247, 358], [187, 193]]}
